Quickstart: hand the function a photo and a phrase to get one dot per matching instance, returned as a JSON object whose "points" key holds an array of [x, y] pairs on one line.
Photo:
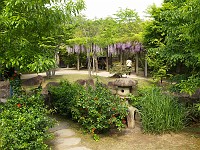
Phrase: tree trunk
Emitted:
{"points": [[78, 61], [96, 63], [111, 60], [93, 63], [121, 59], [89, 62], [107, 65]]}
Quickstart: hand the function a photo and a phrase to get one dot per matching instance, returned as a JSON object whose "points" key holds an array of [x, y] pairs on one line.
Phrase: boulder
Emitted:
{"points": [[33, 81]]}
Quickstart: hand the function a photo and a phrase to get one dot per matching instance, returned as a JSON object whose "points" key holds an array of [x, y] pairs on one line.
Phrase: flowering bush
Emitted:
{"points": [[24, 123], [98, 110], [95, 108]]}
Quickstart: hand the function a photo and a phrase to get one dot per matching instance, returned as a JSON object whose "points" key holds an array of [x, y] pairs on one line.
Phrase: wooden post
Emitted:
{"points": [[111, 59], [107, 65], [136, 64], [89, 62], [78, 61], [145, 68], [96, 63], [93, 63], [121, 59], [93, 53]]}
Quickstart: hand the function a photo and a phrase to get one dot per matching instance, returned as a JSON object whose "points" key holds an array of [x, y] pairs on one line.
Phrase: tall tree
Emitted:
{"points": [[176, 25], [129, 22], [27, 27]]}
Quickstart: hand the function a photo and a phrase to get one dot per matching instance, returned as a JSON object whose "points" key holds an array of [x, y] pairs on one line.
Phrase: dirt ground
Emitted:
{"points": [[134, 139]]}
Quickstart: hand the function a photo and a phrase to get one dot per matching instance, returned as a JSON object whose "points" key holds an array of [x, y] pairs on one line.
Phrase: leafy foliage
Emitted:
{"points": [[95, 108], [63, 95], [174, 33], [24, 123], [159, 112], [30, 32], [193, 113], [118, 69]]}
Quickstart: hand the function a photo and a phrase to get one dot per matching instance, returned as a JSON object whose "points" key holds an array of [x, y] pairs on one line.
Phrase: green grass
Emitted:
{"points": [[160, 112]]}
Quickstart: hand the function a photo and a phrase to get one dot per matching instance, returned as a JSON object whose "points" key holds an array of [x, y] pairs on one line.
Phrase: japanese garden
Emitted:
{"points": [[119, 82]]}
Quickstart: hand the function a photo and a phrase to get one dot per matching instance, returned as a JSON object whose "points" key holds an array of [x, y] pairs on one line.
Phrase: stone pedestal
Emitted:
{"points": [[131, 116]]}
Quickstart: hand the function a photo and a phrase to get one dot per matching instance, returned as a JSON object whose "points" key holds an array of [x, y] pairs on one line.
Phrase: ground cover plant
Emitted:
{"points": [[24, 122], [159, 111], [94, 107]]}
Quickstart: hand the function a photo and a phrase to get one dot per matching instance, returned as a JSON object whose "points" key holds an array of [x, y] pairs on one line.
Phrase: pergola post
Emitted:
{"points": [[136, 64], [78, 61], [107, 65], [145, 68], [121, 58], [89, 62]]}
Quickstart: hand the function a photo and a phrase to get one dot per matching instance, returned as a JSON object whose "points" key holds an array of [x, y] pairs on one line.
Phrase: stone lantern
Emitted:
{"points": [[125, 86]]}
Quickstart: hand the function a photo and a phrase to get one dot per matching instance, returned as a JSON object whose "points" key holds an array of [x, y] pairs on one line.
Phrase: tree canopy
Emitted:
{"points": [[122, 28], [172, 38], [28, 29]]}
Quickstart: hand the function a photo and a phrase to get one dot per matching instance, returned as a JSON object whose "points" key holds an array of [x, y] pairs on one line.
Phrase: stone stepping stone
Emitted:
{"points": [[64, 133], [3, 100], [59, 126], [79, 148], [66, 143]]}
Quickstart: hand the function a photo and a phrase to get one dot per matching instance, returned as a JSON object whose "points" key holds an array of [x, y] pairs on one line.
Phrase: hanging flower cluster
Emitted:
{"points": [[81, 48], [134, 47]]}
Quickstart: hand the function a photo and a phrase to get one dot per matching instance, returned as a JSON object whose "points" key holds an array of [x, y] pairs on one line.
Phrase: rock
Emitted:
{"points": [[81, 82], [33, 81], [4, 90], [52, 84], [112, 87], [90, 82]]}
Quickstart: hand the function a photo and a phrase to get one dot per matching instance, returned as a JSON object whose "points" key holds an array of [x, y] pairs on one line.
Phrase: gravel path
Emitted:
{"points": [[64, 71]]}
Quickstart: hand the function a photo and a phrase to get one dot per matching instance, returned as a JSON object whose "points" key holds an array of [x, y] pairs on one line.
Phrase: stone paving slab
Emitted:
{"points": [[66, 143], [79, 148], [64, 133], [3, 100]]}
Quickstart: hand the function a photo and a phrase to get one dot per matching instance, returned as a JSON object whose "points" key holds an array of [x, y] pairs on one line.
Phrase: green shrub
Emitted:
{"points": [[98, 110], [193, 113], [63, 95], [24, 123], [160, 112], [95, 108], [118, 69]]}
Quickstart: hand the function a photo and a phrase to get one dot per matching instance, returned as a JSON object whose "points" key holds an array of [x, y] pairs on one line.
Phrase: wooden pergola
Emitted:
{"points": [[92, 49]]}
